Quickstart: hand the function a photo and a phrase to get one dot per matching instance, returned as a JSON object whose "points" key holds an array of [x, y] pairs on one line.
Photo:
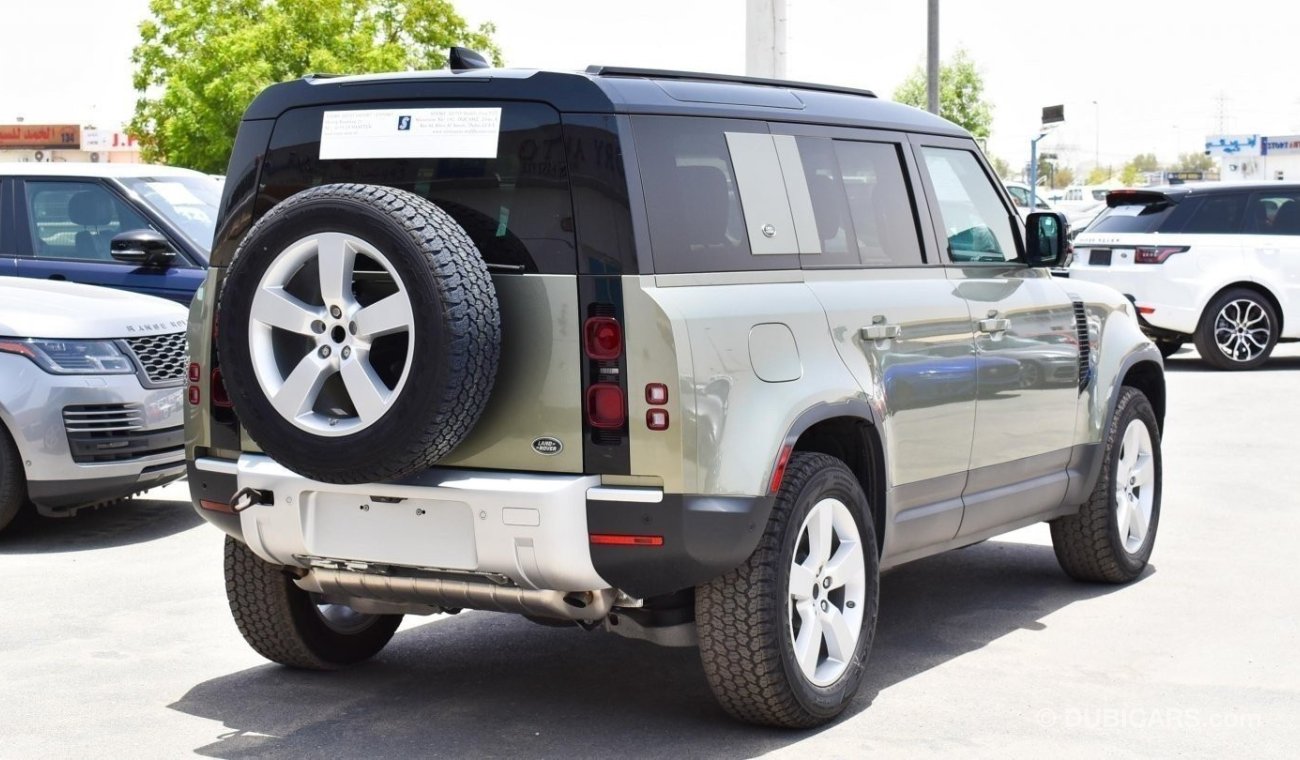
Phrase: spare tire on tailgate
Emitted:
{"points": [[358, 333]]}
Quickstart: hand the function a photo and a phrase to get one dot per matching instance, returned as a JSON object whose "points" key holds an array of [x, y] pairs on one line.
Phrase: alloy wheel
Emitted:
{"points": [[1134, 486], [827, 590], [1242, 330]]}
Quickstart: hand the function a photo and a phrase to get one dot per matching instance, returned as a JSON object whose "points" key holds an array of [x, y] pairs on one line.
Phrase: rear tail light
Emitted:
{"points": [[606, 408], [194, 395], [602, 338], [656, 394], [220, 397], [194, 372], [1156, 255], [656, 419]]}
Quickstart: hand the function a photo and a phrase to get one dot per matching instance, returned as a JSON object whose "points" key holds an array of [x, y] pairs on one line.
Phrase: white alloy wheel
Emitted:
{"points": [[827, 588], [338, 333], [1134, 486], [1242, 330]]}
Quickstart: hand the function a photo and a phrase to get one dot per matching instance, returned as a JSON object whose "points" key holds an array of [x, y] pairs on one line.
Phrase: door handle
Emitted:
{"points": [[994, 325], [880, 332]]}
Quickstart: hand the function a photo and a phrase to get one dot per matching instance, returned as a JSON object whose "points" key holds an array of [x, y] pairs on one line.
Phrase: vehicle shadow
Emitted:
{"points": [[130, 522], [1191, 362], [482, 684]]}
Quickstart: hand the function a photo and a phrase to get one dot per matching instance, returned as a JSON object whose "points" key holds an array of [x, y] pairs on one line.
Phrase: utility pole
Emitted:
{"points": [[1096, 151], [932, 59], [765, 38]]}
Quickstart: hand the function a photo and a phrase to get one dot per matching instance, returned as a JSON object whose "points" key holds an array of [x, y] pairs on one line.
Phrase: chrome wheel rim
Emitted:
{"points": [[342, 619], [827, 588], [1242, 330], [1134, 486], [336, 334]]}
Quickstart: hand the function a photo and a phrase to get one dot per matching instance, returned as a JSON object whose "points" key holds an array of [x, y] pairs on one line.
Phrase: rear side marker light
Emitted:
{"points": [[602, 338], [1156, 255], [605, 407], [656, 419], [778, 473], [656, 394], [621, 539], [194, 372], [1146, 310], [194, 395]]}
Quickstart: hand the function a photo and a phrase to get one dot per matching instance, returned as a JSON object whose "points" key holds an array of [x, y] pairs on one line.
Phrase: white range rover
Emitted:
{"points": [[1217, 264], [90, 395]]}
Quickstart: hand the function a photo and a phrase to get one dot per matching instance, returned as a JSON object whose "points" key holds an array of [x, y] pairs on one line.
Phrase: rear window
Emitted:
{"points": [[1134, 217], [516, 206]]}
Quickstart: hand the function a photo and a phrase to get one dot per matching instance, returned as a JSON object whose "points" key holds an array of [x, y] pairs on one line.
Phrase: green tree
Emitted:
{"points": [[1098, 175], [200, 63], [1145, 162], [1131, 176], [1192, 162], [961, 94], [1062, 177]]}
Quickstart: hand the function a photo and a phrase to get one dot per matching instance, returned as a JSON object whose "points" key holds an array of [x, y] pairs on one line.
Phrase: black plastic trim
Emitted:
{"points": [[69, 494], [124, 445], [704, 537], [214, 486]]}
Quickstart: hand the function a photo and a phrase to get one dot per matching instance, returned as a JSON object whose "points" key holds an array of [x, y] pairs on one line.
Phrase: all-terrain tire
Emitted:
{"points": [[455, 333], [13, 480], [1207, 331], [743, 617], [1088, 544], [283, 624]]}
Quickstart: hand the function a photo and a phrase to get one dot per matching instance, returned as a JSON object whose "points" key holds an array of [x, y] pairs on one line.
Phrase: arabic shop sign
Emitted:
{"points": [[1232, 145], [36, 136]]}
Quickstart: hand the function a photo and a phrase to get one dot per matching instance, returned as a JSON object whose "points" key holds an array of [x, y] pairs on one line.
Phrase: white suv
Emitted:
{"points": [[1217, 264]]}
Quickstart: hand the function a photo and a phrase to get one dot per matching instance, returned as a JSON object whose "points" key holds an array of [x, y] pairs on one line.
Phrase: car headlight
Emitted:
{"points": [[71, 357]]}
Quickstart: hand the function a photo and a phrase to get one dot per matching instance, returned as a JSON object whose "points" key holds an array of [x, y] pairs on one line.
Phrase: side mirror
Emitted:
{"points": [[1047, 239], [147, 248]]}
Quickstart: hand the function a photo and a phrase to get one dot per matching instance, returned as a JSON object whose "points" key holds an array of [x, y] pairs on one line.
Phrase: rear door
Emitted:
{"points": [[67, 226], [896, 320], [8, 245], [1271, 247], [1027, 374]]}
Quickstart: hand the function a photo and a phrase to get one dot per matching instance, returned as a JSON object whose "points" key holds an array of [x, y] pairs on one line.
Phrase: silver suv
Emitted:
{"points": [[90, 395], [684, 357]]}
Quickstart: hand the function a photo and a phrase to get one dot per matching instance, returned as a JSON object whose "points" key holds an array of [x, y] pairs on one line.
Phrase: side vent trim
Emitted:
{"points": [[1085, 345]]}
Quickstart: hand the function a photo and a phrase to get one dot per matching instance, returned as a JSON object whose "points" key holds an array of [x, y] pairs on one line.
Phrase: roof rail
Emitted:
{"points": [[623, 71]]}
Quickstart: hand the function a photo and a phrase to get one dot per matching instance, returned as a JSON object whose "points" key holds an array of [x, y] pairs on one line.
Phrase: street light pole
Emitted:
{"points": [[1033, 171], [932, 60], [1096, 151]]}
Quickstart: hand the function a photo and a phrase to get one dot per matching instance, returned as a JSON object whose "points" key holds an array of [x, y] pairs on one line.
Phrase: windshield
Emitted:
{"points": [[188, 202]]}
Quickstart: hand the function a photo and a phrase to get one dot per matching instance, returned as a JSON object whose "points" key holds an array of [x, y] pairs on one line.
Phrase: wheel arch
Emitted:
{"points": [[848, 432], [1257, 287], [1147, 376]]}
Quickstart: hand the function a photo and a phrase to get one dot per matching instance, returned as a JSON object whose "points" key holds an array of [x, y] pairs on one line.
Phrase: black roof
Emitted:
{"points": [[606, 89]]}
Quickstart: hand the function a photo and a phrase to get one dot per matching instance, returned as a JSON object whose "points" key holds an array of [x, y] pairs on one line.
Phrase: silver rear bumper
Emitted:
{"points": [[529, 529]]}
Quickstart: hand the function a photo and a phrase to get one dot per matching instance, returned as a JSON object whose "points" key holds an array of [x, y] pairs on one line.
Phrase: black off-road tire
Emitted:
{"points": [[1168, 348], [280, 621], [742, 617], [1088, 545], [13, 480], [456, 333], [1205, 341]]}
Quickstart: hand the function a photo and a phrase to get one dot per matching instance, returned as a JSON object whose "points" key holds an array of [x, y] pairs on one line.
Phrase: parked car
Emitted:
{"points": [[644, 379], [1019, 192], [134, 227], [1215, 264], [90, 395]]}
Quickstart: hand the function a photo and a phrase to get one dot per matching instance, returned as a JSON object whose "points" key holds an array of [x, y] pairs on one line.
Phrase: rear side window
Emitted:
{"points": [[1218, 214], [692, 197], [880, 203], [516, 207], [1273, 214]]}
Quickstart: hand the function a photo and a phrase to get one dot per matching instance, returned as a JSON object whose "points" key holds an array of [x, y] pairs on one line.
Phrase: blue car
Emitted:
{"points": [[136, 227]]}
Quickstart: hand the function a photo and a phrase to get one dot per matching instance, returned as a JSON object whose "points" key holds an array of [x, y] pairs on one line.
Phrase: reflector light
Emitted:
{"points": [[778, 473], [656, 419], [605, 408], [1146, 310], [195, 372], [220, 397], [602, 338], [1156, 255], [194, 395], [620, 539], [656, 394], [216, 506]]}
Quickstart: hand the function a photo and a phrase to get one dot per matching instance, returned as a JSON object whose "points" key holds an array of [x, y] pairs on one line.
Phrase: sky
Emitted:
{"points": [[1134, 76]]}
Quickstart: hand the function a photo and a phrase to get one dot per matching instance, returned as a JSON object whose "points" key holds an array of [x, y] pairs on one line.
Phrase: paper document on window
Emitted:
{"points": [[411, 133]]}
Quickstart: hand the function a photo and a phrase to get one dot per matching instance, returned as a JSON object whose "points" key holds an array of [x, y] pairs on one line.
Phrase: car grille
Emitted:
{"points": [[115, 433], [162, 356]]}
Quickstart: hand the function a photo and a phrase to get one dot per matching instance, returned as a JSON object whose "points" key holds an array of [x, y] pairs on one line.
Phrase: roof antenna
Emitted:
{"points": [[464, 59]]}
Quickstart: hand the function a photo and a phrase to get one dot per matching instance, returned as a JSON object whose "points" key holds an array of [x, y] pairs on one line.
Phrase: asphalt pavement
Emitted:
{"points": [[116, 641]]}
